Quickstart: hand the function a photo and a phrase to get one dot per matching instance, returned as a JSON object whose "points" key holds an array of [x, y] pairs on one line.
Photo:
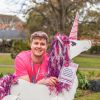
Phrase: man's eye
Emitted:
{"points": [[43, 44]]}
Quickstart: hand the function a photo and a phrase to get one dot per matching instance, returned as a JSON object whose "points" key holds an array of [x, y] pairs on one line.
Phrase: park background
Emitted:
{"points": [[52, 16]]}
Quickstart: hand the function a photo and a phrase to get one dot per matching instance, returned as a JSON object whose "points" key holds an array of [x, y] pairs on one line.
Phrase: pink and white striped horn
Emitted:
{"points": [[74, 30]]}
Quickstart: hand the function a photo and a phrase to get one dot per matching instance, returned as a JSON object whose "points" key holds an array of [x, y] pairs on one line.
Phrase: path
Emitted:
{"points": [[89, 68], [1, 65], [81, 68]]}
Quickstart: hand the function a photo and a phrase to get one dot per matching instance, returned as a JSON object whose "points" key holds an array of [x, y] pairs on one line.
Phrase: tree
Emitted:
{"points": [[34, 22], [90, 26], [56, 15]]}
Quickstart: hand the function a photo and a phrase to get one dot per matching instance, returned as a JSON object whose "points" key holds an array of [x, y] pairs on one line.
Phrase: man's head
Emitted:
{"points": [[39, 43]]}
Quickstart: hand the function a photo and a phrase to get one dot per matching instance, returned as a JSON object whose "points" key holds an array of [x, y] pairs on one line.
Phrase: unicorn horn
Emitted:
{"points": [[74, 30]]}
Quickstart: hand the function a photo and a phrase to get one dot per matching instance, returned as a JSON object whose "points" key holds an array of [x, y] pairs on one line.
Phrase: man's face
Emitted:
{"points": [[38, 46]]}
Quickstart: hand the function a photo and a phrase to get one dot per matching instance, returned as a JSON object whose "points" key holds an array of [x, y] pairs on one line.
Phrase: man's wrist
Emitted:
{"points": [[42, 81]]}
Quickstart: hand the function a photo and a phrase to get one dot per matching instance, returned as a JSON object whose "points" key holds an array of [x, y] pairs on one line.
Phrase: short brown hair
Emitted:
{"points": [[39, 34]]}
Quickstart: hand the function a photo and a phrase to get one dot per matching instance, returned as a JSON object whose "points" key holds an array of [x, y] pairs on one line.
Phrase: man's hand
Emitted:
{"points": [[49, 81]]}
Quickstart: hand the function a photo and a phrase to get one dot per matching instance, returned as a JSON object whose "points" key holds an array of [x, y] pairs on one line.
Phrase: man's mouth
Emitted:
{"points": [[39, 50]]}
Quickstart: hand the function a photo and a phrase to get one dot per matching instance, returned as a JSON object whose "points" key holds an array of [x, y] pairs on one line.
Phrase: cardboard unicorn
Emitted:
{"points": [[29, 91]]}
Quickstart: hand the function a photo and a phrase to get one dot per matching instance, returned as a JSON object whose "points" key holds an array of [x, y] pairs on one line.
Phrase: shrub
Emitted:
{"points": [[1, 75], [83, 81], [95, 49], [5, 46], [18, 46]]}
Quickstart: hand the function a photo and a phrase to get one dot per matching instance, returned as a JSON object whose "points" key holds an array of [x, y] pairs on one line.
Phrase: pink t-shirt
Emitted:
{"points": [[25, 66]]}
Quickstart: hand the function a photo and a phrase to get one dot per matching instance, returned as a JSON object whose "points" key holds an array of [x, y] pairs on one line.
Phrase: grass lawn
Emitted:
{"points": [[6, 70], [6, 59], [91, 96], [84, 61]]}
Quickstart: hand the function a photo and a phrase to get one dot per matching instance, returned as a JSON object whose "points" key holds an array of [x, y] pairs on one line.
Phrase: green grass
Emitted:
{"points": [[5, 70], [6, 59], [93, 62], [91, 96]]}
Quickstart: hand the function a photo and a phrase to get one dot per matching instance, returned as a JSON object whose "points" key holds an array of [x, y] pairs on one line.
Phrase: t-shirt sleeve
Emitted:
{"points": [[20, 67]]}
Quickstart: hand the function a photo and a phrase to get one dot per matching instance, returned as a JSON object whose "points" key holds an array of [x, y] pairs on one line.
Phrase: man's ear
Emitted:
{"points": [[30, 45], [46, 46]]}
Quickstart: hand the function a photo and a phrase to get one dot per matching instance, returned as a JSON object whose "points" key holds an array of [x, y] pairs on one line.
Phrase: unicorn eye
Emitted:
{"points": [[73, 43]]}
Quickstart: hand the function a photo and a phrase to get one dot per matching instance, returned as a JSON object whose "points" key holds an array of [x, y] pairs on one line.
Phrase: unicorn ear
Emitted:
{"points": [[74, 30]]}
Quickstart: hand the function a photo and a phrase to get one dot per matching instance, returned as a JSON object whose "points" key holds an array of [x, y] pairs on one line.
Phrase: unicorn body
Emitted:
{"points": [[29, 91]]}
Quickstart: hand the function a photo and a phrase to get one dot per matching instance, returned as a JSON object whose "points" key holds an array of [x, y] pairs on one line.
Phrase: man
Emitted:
{"points": [[31, 65]]}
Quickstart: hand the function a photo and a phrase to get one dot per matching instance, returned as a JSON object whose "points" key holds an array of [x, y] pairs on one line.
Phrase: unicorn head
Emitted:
{"points": [[77, 46]]}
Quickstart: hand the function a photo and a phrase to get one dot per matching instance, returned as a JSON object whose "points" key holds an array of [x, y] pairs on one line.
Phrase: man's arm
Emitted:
{"points": [[20, 69], [25, 77], [21, 72], [48, 81]]}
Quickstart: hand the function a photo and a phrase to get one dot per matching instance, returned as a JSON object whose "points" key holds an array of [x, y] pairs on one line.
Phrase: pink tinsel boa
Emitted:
{"points": [[5, 84], [59, 58]]}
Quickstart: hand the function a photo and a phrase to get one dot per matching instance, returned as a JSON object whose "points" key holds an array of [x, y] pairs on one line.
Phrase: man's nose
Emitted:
{"points": [[39, 45]]}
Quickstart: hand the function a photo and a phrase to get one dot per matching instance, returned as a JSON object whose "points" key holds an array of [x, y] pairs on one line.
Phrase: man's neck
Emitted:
{"points": [[36, 59]]}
